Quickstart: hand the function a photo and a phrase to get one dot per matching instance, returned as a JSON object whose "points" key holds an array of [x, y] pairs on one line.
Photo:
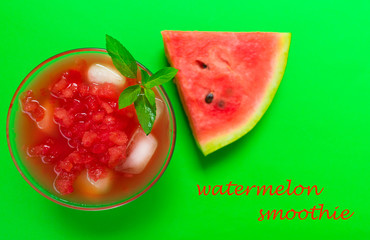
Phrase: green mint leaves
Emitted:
{"points": [[141, 95], [122, 59], [128, 96], [161, 77], [146, 110]]}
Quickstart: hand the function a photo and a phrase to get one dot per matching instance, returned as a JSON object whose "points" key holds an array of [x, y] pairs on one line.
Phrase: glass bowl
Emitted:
{"points": [[11, 138]]}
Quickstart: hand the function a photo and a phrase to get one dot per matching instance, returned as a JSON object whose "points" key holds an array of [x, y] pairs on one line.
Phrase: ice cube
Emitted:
{"points": [[100, 74], [140, 150], [160, 108], [47, 124], [85, 184]]}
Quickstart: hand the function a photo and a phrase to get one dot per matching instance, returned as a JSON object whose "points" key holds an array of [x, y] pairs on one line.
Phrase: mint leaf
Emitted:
{"points": [[128, 96], [122, 59], [150, 95], [145, 112], [160, 77], [144, 76]]}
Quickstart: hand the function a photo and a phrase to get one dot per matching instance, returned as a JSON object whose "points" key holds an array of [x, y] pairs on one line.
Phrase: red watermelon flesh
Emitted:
{"points": [[241, 71]]}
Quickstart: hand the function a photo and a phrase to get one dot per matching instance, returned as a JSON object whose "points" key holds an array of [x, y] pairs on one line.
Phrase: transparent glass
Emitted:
{"points": [[11, 133]]}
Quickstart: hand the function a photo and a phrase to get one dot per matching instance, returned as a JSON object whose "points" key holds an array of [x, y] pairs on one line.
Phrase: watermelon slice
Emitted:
{"points": [[226, 80]]}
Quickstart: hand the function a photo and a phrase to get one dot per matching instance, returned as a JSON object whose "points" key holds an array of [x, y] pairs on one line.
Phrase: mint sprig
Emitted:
{"points": [[141, 94], [121, 57], [128, 96], [161, 77], [145, 110]]}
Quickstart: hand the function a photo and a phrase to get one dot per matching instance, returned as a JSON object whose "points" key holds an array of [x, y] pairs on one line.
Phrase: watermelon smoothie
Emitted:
{"points": [[72, 143]]}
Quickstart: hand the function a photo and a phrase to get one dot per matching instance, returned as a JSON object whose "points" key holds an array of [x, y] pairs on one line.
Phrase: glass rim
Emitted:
{"points": [[93, 208]]}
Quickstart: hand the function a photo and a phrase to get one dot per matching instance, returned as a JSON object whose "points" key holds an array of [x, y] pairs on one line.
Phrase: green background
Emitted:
{"points": [[316, 130]]}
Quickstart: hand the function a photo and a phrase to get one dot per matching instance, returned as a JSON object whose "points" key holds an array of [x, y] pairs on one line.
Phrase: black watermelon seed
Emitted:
{"points": [[221, 104], [209, 98], [201, 64]]}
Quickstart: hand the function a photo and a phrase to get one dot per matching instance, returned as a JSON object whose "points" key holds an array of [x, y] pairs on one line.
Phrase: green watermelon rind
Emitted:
{"points": [[225, 139]]}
